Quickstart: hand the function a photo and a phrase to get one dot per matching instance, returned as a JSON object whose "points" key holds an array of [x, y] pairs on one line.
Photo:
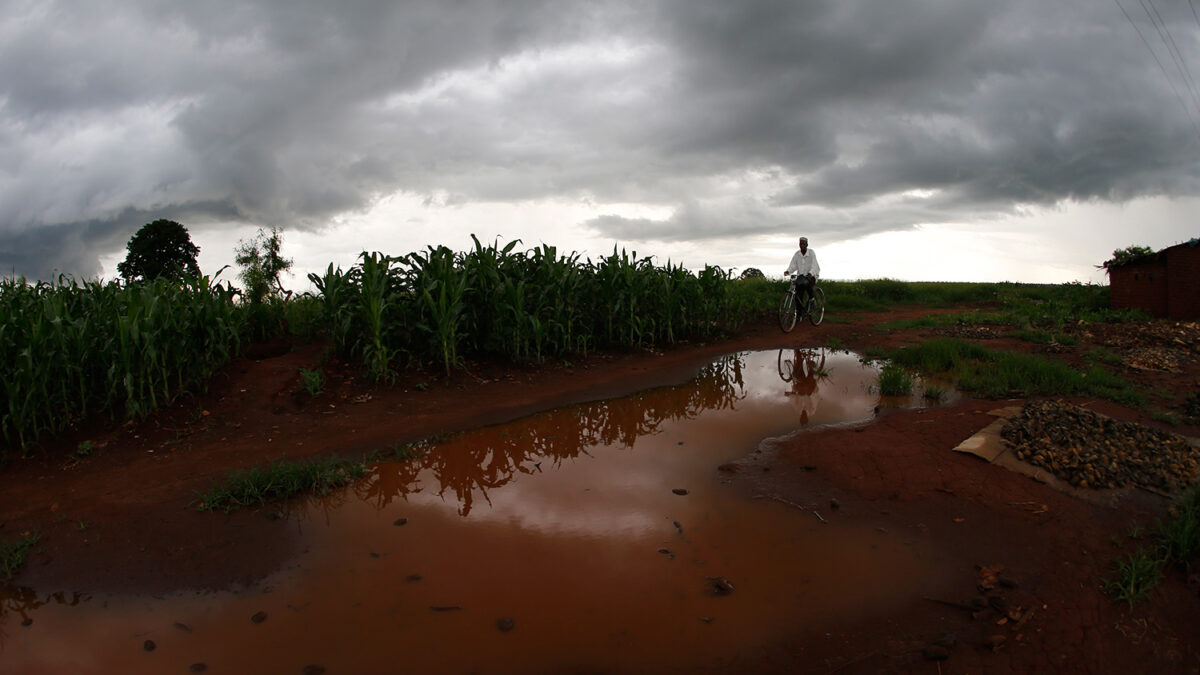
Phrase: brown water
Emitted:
{"points": [[566, 524]]}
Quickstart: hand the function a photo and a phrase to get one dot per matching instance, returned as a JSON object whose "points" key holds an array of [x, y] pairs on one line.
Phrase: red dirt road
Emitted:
{"points": [[122, 520]]}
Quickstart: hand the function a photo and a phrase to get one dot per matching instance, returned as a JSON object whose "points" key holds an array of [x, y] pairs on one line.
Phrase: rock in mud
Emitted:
{"points": [[314, 669], [400, 521], [198, 667], [505, 624], [1090, 450], [259, 617], [680, 491], [183, 626], [149, 646], [26, 622], [728, 467], [720, 586]]}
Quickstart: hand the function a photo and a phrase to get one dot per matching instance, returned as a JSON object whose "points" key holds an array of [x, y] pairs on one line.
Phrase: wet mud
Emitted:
{"points": [[600, 536]]}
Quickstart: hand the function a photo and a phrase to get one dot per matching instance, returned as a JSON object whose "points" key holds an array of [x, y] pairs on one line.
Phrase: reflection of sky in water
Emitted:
{"points": [[558, 520]]}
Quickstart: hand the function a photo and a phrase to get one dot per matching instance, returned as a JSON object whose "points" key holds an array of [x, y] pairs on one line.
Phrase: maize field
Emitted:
{"points": [[438, 306], [72, 350]]}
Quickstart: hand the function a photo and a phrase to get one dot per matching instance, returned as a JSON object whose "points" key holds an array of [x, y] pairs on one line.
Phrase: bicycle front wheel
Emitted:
{"points": [[787, 312], [817, 315]]}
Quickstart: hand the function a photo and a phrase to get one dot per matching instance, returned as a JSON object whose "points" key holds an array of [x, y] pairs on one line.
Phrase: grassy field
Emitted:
{"points": [[79, 350]]}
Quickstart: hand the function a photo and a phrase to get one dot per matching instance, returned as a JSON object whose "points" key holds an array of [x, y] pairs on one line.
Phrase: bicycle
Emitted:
{"points": [[814, 309]]}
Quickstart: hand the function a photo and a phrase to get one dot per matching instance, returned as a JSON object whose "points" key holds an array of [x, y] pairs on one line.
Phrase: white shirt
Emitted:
{"points": [[804, 263]]}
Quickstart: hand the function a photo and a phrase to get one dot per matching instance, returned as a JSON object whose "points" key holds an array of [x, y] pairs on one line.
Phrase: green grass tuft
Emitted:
{"points": [[1179, 537], [1134, 576], [894, 380], [314, 381], [278, 481], [12, 554]]}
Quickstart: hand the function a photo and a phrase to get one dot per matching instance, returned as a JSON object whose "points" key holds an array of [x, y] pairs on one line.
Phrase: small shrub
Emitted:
{"points": [[12, 554], [895, 380], [1134, 576], [314, 381], [1180, 536], [935, 393]]}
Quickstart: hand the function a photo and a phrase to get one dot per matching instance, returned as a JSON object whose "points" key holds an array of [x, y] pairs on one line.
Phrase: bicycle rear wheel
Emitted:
{"points": [[787, 312], [817, 315]]}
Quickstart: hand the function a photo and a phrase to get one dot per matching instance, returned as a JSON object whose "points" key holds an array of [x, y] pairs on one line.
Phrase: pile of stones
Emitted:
{"points": [[1090, 450]]}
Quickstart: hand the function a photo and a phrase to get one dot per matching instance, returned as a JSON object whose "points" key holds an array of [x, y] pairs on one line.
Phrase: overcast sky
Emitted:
{"points": [[974, 140]]}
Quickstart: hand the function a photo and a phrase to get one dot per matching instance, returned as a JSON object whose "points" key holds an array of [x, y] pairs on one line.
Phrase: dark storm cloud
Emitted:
{"points": [[845, 117]]}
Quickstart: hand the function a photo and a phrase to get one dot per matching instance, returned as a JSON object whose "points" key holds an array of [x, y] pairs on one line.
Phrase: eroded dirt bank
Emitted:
{"points": [[121, 520]]}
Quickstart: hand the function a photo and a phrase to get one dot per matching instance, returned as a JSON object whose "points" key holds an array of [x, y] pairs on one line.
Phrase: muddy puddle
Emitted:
{"points": [[598, 538]]}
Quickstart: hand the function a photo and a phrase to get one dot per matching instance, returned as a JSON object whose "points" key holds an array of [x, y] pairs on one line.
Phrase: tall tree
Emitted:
{"points": [[262, 264], [162, 248]]}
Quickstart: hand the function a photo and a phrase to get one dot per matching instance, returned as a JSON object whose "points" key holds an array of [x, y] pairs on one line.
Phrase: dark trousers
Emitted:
{"points": [[804, 286]]}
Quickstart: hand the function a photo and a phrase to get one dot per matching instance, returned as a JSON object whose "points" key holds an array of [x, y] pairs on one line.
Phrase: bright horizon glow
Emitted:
{"points": [[1044, 246]]}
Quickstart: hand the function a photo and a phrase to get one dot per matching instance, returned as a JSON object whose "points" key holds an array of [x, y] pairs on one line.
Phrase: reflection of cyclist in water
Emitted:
{"points": [[802, 369]]}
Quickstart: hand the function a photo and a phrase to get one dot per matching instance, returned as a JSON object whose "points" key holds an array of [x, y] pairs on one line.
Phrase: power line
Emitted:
{"points": [[1161, 67], [1172, 49]]}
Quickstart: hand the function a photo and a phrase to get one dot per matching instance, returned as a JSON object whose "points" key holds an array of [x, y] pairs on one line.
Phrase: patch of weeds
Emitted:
{"points": [[835, 344], [12, 554], [894, 380], [1103, 355], [1069, 340], [421, 386], [875, 354], [1033, 335], [935, 393], [82, 525], [1134, 576], [84, 449], [997, 374], [1180, 536], [278, 481], [314, 381], [1165, 417], [1176, 543]]}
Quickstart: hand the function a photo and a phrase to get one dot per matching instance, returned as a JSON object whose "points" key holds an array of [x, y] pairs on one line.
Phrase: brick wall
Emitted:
{"points": [[1183, 282], [1140, 285]]}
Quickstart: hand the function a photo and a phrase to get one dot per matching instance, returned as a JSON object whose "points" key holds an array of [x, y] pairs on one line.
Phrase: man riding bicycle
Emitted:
{"points": [[804, 266]]}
